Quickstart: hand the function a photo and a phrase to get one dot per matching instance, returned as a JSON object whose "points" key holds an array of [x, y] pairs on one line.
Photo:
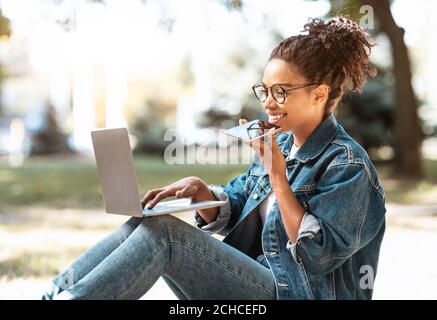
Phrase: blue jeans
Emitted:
{"points": [[127, 263]]}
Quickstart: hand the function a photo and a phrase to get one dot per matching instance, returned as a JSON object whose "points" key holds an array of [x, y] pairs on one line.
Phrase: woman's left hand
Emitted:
{"points": [[270, 154]]}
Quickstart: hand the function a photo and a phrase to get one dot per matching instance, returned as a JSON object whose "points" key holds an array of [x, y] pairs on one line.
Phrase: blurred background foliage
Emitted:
{"points": [[158, 65]]}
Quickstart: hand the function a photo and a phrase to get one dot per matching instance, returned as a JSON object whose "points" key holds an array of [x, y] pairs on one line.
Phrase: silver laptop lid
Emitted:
{"points": [[116, 171]]}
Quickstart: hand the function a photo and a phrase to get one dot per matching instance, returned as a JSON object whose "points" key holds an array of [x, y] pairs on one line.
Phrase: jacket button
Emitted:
{"points": [[271, 253], [255, 196]]}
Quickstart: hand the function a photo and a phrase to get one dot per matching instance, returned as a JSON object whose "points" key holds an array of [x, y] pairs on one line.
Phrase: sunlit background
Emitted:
{"points": [[67, 67], [124, 63]]}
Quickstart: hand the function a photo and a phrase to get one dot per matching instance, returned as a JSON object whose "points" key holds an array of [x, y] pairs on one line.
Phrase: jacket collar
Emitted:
{"points": [[316, 142]]}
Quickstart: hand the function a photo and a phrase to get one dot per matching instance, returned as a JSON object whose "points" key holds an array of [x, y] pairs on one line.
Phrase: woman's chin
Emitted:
{"points": [[284, 127]]}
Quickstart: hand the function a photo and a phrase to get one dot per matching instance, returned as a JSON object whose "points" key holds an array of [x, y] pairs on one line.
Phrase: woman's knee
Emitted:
{"points": [[161, 226], [126, 229], [161, 221]]}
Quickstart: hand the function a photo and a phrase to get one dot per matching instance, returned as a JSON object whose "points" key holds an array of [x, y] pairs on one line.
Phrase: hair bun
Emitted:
{"points": [[336, 29], [334, 52], [318, 28], [347, 42]]}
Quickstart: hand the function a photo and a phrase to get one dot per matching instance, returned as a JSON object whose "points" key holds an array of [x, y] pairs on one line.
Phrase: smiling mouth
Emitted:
{"points": [[274, 119], [277, 116]]}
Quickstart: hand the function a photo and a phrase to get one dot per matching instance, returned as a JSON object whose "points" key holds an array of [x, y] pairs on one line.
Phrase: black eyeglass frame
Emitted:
{"points": [[279, 85]]}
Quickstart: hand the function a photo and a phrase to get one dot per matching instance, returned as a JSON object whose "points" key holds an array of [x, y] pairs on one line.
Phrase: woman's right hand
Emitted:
{"points": [[189, 187]]}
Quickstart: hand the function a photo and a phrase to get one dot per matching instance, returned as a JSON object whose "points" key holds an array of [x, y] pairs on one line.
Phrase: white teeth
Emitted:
{"points": [[277, 117]]}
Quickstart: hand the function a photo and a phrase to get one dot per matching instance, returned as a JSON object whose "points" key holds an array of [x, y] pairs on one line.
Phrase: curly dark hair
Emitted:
{"points": [[334, 52]]}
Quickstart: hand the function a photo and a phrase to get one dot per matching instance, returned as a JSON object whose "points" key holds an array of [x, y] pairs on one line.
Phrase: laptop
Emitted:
{"points": [[119, 181]]}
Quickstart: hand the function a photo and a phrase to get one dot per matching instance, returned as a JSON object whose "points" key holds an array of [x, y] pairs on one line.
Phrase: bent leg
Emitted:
{"points": [[199, 266], [202, 267]]}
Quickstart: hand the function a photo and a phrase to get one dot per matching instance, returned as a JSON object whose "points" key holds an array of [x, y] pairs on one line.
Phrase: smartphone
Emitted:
{"points": [[250, 131]]}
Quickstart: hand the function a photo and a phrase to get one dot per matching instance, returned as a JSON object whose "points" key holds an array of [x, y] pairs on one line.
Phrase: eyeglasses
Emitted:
{"points": [[279, 94], [258, 128]]}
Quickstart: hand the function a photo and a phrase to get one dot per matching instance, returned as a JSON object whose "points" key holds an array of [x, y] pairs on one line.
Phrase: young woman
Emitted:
{"points": [[305, 223]]}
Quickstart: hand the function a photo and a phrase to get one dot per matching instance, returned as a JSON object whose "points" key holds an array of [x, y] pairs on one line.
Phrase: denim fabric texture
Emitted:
{"points": [[342, 229]]}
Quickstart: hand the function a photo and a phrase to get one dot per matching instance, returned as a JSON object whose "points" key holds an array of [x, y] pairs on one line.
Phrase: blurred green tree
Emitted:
{"points": [[149, 129], [407, 133], [50, 139], [5, 31], [369, 116], [408, 129]]}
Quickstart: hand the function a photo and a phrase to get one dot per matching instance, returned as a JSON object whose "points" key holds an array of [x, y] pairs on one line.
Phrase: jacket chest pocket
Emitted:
{"points": [[250, 184], [254, 177], [304, 194]]}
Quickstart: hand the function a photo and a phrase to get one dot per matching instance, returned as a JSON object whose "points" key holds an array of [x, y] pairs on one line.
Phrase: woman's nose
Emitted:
{"points": [[269, 102]]}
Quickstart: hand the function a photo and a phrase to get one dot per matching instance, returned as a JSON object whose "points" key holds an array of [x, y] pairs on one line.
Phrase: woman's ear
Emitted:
{"points": [[320, 95]]}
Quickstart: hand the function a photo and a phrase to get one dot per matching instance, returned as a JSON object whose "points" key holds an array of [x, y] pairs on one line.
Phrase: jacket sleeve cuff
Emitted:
{"points": [[222, 218], [309, 226]]}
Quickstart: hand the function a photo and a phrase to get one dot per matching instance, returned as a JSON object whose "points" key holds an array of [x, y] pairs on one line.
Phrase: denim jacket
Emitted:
{"points": [[338, 243]]}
